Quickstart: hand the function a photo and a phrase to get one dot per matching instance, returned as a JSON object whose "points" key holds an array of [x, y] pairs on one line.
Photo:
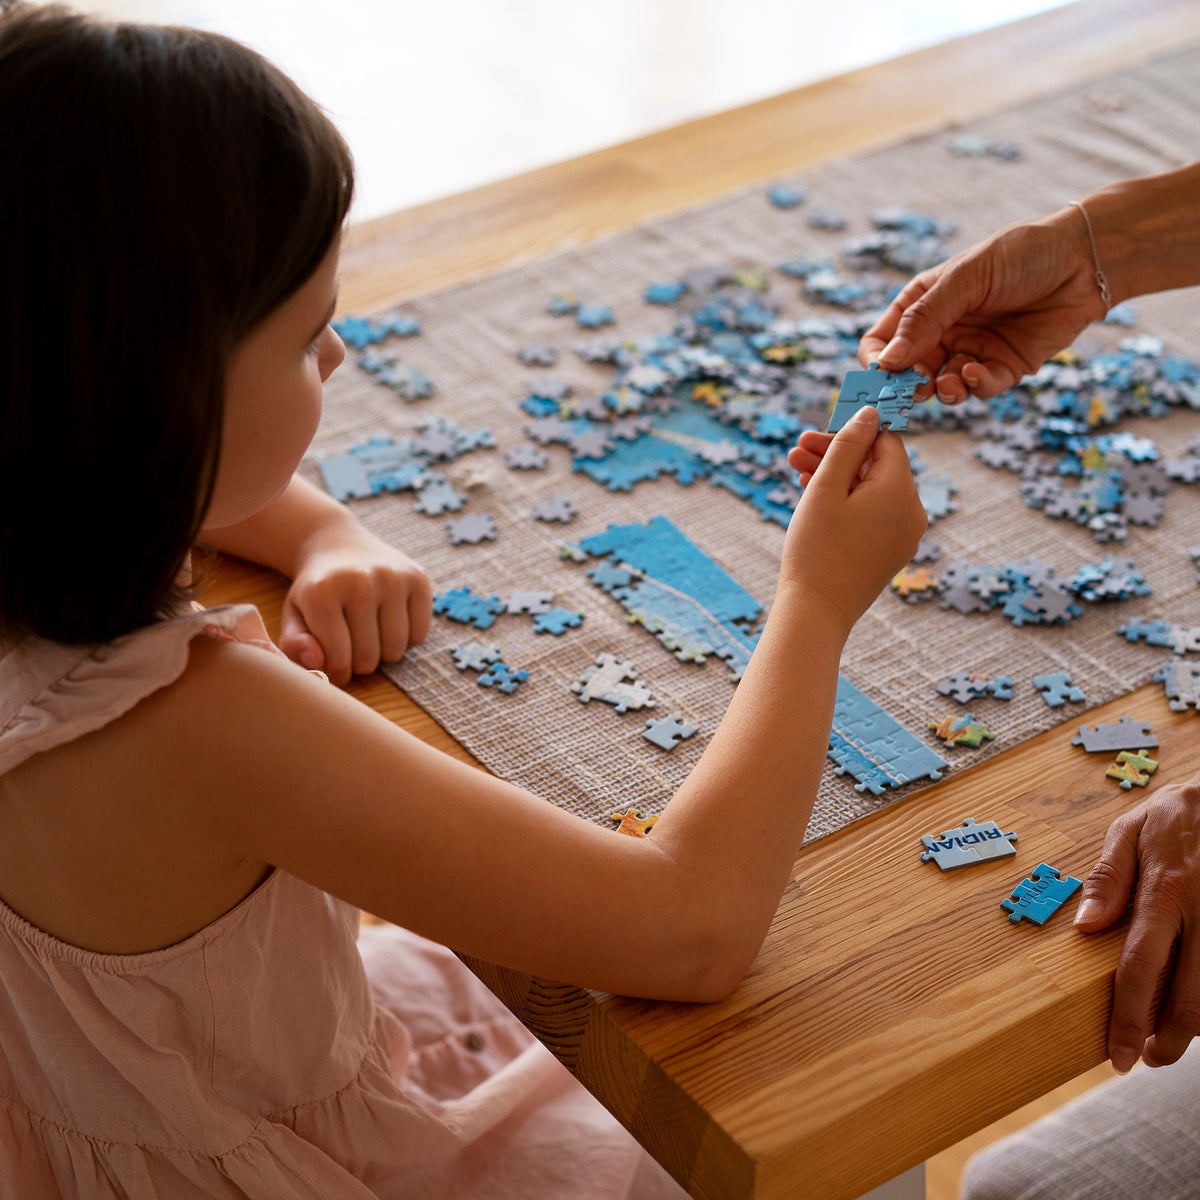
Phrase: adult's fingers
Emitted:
{"points": [[1145, 961], [1179, 1021]]}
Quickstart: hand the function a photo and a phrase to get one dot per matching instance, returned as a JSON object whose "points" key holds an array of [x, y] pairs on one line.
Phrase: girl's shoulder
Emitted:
{"points": [[52, 694]]}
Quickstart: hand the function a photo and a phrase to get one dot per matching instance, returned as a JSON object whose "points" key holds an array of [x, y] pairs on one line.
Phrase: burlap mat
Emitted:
{"points": [[590, 759]]}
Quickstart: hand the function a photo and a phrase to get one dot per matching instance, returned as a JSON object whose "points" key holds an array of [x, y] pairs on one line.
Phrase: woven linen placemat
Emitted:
{"points": [[591, 759]]}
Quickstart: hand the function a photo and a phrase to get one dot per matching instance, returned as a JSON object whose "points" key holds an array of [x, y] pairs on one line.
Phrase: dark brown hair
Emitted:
{"points": [[162, 191]]}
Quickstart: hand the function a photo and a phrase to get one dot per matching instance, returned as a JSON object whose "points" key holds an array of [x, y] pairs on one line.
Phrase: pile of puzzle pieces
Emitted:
{"points": [[722, 393], [1029, 593], [1046, 430]]}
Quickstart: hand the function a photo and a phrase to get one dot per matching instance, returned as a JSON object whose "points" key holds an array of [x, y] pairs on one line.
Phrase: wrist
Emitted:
{"points": [[826, 621], [1147, 232]]}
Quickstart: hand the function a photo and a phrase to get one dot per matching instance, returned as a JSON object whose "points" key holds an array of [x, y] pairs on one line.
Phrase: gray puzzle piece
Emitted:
{"points": [[972, 842]]}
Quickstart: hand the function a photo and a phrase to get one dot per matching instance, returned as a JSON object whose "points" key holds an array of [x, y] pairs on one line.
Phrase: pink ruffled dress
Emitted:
{"points": [[278, 1052]]}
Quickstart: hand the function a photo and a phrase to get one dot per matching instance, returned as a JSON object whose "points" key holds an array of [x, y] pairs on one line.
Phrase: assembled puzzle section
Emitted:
{"points": [[873, 747], [668, 585], [891, 395]]}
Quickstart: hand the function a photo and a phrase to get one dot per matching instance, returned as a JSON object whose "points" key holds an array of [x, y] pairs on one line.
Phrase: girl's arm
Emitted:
{"points": [[311, 781], [353, 600]]}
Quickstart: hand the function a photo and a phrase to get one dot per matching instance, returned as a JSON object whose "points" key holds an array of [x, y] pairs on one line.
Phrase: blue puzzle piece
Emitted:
{"points": [[891, 395], [1040, 896], [970, 843], [663, 293], [557, 621], [502, 677], [643, 459], [1057, 689], [593, 316], [667, 732], [782, 195], [461, 604]]}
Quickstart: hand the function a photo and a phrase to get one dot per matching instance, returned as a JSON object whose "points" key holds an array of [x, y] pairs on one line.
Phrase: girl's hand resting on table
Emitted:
{"points": [[860, 518], [978, 322], [354, 602]]}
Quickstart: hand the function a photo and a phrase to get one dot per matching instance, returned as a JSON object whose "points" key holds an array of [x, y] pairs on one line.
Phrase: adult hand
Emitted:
{"points": [[354, 602], [1152, 855], [978, 322]]}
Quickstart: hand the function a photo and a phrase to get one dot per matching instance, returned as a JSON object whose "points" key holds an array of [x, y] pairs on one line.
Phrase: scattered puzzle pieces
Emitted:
{"points": [[614, 681], [1182, 639], [1057, 689], [1125, 734], [970, 843], [667, 732], [1040, 896], [1132, 769]]}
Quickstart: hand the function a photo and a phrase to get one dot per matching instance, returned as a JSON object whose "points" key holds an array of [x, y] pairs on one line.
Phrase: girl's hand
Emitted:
{"points": [[354, 602], [1152, 857], [978, 322], [859, 520]]}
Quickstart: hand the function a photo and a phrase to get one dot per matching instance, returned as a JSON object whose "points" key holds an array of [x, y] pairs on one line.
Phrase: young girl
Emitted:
{"points": [[186, 816]]}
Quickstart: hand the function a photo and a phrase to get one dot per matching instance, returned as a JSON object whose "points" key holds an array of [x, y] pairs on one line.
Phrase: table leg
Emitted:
{"points": [[908, 1186]]}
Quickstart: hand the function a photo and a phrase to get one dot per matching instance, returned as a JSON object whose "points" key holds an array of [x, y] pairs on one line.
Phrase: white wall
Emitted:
{"points": [[442, 95]]}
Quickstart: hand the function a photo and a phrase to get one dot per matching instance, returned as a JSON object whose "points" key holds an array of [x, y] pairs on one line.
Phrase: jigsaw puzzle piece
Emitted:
{"points": [[556, 621], [463, 605], [667, 732], [475, 656], [1040, 896], [614, 681], [632, 823], [1132, 769], [1057, 689], [502, 677], [972, 842], [1125, 734]]}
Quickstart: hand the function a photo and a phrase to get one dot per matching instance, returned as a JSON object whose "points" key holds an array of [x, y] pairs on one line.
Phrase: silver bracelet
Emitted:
{"points": [[1101, 280]]}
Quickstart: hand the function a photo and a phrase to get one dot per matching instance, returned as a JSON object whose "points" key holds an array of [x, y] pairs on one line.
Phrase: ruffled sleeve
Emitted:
{"points": [[51, 694]]}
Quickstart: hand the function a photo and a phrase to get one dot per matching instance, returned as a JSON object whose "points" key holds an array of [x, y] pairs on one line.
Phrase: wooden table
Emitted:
{"points": [[892, 1011]]}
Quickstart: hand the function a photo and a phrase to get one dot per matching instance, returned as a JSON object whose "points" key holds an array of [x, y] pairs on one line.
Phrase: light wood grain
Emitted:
{"points": [[893, 1010]]}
